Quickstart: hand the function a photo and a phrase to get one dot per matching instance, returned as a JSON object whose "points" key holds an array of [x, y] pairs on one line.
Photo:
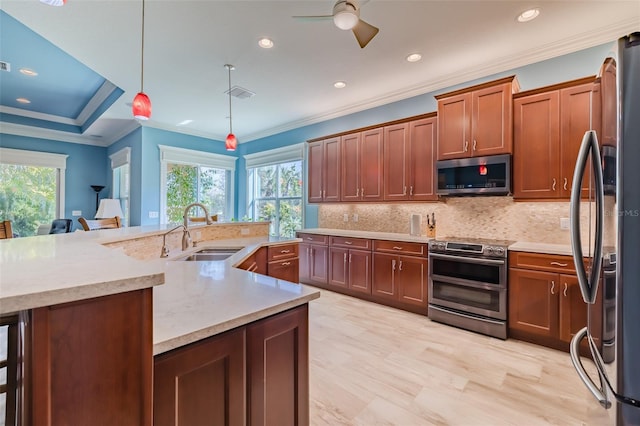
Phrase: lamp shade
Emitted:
{"points": [[109, 207], [231, 142], [141, 106]]}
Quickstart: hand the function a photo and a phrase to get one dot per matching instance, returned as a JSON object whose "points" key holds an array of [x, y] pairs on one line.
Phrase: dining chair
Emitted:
{"points": [[93, 225], [5, 230], [60, 226], [202, 219]]}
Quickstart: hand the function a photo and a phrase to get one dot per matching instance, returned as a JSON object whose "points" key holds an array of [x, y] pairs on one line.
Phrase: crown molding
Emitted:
{"points": [[54, 135]]}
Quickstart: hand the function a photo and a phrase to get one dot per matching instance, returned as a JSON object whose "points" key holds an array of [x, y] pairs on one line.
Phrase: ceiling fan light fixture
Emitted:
{"points": [[265, 43], [414, 57], [345, 15], [339, 84], [54, 2], [528, 15]]}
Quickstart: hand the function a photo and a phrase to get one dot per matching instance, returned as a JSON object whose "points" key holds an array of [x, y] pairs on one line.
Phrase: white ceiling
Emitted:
{"points": [[187, 44]]}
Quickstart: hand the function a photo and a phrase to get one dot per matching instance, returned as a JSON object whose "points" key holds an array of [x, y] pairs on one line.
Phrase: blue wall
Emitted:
{"points": [[86, 165]]}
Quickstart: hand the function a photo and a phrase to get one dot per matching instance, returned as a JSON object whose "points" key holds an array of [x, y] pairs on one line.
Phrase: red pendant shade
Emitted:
{"points": [[141, 106], [231, 142]]}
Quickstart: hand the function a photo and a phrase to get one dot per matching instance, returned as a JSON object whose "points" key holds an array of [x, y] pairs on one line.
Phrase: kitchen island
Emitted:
{"points": [[94, 319]]}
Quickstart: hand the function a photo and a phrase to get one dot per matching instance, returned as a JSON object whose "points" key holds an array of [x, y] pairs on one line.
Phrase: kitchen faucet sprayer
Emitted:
{"points": [[186, 235]]}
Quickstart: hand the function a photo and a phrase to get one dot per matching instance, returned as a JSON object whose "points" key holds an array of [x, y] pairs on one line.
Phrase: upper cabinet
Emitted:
{"points": [[362, 166], [324, 170], [476, 121], [549, 125], [608, 96], [409, 158]]}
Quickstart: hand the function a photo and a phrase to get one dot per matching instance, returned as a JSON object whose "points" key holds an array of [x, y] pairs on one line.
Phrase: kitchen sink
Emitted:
{"points": [[210, 254]]}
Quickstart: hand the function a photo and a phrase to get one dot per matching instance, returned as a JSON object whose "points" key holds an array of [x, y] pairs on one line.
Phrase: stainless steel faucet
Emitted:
{"points": [[165, 250], [186, 236]]}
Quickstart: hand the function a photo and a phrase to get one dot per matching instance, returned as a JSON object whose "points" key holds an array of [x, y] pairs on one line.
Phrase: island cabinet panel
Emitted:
{"points": [[283, 262], [91, 362], [256, 262], [202, 383], [324, 170], [278, 369]]}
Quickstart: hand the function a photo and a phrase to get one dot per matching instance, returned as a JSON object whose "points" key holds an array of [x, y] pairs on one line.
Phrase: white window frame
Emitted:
{"points": [[272, 157], [119, 159], [173, 155], [22, 157]]}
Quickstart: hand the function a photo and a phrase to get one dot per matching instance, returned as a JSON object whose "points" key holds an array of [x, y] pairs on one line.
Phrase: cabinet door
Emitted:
{"points": [[422, 159], [454, 126], [318, 264], [608, 103], [316, 171], [332, 169], [383, 283], [202, 383], [491, 125], [371, 165], [360, 271], [576, 104], [536, 138], [533, 302], [304, 262], [573, 310], [257, 262], [350, 177], [338, 267], [278, 370], [285, 270], [396, 162], [412, 278]]}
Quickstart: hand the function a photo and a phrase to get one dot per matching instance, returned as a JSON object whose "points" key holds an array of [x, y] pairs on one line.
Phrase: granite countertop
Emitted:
{"points": [[544, 248]]}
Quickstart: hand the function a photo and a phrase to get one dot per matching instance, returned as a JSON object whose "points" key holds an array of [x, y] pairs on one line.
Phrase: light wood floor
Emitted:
{"points": [[373, 365]]}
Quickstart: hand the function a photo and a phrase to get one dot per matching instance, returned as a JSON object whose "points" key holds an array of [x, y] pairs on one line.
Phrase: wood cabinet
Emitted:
{"points": [[549, 125], [350, 263], [400, 272], [283, 262], [256, 262], [409, 159], [324, 160], [608, 101], [362, 166], [255, 374], [545, 303], [314, 258], [476, 121]]}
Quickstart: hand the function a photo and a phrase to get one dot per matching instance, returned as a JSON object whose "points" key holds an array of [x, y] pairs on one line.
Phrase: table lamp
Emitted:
{"points": [[109, 207]]}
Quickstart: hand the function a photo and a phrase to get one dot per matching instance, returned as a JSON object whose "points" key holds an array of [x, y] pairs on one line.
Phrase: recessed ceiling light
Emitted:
{"points": [[23, 100], [184, 122], [339, 84], [265, 43], [414, 57], [28, 72], [528, 15]]}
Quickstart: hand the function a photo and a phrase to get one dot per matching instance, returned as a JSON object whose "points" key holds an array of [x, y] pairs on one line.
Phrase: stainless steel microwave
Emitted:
{"points": [[490, 175]]}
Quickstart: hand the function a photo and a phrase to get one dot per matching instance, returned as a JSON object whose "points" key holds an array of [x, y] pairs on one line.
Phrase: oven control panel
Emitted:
{"points": [[475, 249]]}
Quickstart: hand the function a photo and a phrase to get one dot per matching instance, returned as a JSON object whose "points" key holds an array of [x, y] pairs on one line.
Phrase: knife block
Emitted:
{"points": [[431, 231]]}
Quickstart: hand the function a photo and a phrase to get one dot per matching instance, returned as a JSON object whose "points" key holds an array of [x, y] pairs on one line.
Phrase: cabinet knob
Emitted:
{"points": [[553, 287]]}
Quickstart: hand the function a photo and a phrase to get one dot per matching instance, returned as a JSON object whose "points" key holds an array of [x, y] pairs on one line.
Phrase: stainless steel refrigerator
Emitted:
{"points": [[613, 329]]}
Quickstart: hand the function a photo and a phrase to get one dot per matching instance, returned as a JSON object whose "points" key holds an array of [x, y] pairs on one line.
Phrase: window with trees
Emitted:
{"points": [[275, 189], [192, 176], [31, 189]]}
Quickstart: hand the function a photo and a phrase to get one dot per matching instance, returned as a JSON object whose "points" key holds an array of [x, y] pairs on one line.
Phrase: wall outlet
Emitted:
{"points": [[76, 213], [244, 231], [355, 217], [346, 217], [153, 215], [564, 223]]}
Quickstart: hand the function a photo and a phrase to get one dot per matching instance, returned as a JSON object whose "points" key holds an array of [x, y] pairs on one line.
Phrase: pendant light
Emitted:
{"points": [[142, 103], [231, 142]]}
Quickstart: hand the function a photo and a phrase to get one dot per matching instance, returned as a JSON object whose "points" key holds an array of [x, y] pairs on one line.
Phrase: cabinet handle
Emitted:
{"points": [[553, 186], [310, 238], [565, 289], [411, 190], [357, 192], [565, 184], [466, 146], [393, 264], [307, 252], [397, 248], [345, 258], [400, 266], [474, 144], [349, 257], [348, 242], [404, 191], [285, 251], [285, 264], [553, 286], [362, 192], [559, 264]]}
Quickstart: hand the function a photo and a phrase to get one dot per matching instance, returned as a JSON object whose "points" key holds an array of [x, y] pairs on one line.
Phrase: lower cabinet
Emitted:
{"points": [[283, 262], [350, 264], [400, 278], [314, 259], [256, 262], [256, 374]]}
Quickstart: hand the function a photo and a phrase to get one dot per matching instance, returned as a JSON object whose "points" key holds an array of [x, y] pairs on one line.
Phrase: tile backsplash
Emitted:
{"points": [[471, 217]]}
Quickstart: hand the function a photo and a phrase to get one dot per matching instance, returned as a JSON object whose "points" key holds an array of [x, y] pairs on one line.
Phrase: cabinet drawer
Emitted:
{"points": [[543, 262], [346, 242], [400, 247], [313, 238], [281, 252]]}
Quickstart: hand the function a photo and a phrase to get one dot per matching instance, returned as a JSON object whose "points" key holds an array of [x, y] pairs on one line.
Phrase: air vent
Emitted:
{"points": [[5, 66], [240, 92]]}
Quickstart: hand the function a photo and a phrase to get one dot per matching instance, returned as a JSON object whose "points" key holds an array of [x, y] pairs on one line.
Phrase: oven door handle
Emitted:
{"points": [[485, 319], [467, 259]]}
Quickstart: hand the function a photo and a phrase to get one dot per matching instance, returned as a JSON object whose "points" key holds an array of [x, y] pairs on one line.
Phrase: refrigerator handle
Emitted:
{"points": [[588, 285], [574, 350]]}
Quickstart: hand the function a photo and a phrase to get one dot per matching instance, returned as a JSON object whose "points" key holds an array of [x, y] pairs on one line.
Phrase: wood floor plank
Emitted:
{"points": [[375, 365]]}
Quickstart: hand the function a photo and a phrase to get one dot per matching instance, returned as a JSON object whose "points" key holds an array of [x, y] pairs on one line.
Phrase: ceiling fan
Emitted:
{"points": [[346, 16]]}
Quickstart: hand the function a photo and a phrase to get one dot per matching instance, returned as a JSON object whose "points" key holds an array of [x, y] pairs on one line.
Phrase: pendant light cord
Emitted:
{"points": [[142, 53], [229, 67]]}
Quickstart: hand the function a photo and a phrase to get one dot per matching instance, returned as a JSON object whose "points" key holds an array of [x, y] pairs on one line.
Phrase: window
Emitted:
{"points": [[120, 166], [275, 189], [189, 176], [31, 189]]}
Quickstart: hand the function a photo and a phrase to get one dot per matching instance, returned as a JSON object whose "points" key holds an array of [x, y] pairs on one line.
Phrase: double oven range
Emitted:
{"points": [[468, 284]]}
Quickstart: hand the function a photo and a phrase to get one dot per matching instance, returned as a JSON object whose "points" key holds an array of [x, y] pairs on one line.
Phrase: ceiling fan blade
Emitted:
{"points": [[364, 33], [313, 18]]}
